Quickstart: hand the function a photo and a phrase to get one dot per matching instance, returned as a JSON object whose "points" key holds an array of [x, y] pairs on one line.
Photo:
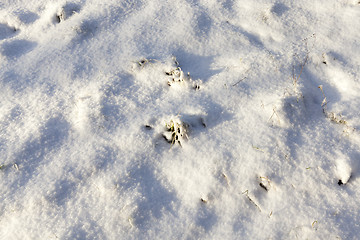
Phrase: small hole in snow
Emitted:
{"points": [[263, 186]]}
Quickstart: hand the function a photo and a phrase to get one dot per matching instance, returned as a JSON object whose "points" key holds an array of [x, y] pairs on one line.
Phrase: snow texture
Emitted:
{"points": [[189, 119]]}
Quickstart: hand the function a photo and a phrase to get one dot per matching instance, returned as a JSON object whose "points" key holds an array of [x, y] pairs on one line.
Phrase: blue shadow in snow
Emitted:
{"points": [[17, 48], [155, 198], [28, 17], [52, 136], [279, 9], [252, 38], [206, 218], [13, 80], [306, 112], [111, 109], [6, 31], [204, 23], [64, 189], [198, 66]]}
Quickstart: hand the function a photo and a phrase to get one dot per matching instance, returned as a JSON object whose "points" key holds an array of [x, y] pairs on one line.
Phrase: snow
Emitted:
{"points": [[194, 119]]}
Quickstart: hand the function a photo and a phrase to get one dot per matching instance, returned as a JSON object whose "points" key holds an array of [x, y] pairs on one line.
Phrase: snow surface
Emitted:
{"points": [[269, 118]]}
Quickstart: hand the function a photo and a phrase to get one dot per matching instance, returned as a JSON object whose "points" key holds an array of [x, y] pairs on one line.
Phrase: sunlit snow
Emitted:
{"points": [[189, 119]]}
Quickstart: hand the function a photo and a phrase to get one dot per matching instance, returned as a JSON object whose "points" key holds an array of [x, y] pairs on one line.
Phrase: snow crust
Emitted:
{"points": [[264, 93]]}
